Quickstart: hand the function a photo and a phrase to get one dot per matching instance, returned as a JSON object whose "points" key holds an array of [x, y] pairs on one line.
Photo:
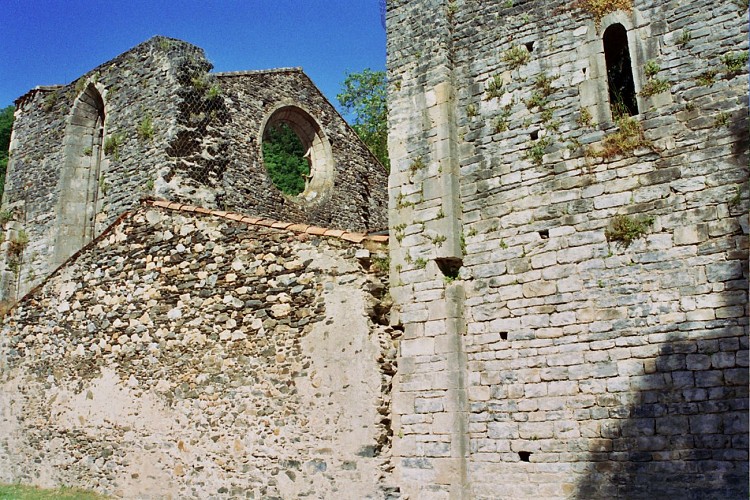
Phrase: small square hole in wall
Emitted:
{"points": [[544, 233], [525, 456], [534, 135], [529, 46], [504, 335], [449, 266]]}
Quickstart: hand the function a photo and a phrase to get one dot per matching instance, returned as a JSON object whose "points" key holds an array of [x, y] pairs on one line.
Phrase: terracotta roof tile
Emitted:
{"points": [[299, 228]]}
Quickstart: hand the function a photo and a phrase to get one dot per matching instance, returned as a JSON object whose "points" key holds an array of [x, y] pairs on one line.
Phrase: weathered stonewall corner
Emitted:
{"points": [[568, 213], [155, 122], [188, 353], [569, 248]]}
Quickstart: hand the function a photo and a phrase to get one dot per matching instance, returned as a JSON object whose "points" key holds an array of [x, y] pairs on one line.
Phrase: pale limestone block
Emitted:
{"points": [[418, 346], [689, 235], [539, 289]]}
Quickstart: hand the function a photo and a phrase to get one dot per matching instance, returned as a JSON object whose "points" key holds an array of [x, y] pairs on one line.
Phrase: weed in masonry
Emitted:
{"points": [[536, 152], [735, 62], [516, 57], [213, 93], [584, 118], [416, 165], [49, 101], [439, 239], [420, 263], [495, 88], [722, 119], [112, 145], [88, 151], [102, 185], [450, 12], [80, 84], [5, 216], [501, 124], [381, 264], [18, 243], [625, 140], [707, 78], [471, 110], [684, 38], [472, 232], [654, 86], [625, 229], [146, 128], [600, 8], [735, 200], [651, 68]]}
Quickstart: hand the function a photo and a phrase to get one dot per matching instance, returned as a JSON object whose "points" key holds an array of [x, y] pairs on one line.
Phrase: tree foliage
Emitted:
{"points": [[284, 157], [364, 95], [6, 124]]}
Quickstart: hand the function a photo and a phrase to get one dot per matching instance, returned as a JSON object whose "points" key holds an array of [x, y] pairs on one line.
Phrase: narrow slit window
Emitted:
{"points": [[622, 100]]}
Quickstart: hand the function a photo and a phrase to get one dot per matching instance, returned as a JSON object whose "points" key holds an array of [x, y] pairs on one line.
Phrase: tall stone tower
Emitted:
{"points": [[569, 219]]}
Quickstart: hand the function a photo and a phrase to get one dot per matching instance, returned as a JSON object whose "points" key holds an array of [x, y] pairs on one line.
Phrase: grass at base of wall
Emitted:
{"points": [[20, 492]]}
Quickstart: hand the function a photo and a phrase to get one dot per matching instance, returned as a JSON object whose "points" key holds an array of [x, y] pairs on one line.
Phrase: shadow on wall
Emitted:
{"points": [[686, 434]]}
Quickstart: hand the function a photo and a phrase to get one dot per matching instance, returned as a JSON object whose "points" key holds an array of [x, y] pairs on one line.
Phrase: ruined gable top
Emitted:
{"points": [[292, 69], [156, 39], [31, 93]]}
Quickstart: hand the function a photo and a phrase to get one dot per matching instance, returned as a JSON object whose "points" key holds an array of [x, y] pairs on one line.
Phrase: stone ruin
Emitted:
{"points": [[154, 122], [568, 251], [569, 248]]}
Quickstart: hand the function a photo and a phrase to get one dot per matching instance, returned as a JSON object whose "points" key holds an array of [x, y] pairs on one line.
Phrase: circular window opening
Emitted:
{"points": [[284, 156], [296, 154]]}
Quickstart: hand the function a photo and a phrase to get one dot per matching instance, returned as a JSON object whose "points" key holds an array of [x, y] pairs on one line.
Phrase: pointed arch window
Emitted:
{"points": [[622, 97], [79, 186]]}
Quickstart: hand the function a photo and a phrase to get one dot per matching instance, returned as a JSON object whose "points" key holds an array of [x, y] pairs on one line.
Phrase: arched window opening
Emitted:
{"points": [[622, 99], [79, 178], [286, 158], [296, 153]]}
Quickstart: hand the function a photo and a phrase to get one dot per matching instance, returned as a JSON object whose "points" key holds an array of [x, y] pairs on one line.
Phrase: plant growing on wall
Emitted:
{"points": [[600, 8], [112, 145], [625, 140], [625, 229], [653, 85], [516, 57], [735, 62], [495, 88], [146, 128]]}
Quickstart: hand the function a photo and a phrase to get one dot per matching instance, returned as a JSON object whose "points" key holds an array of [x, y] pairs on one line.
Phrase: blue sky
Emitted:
{"points": [[45, 42]]}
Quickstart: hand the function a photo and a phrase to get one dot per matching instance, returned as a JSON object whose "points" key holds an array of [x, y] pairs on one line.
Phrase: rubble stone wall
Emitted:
{"points": [[191, 356], [573, 297], [171, 130], [355, 194]]}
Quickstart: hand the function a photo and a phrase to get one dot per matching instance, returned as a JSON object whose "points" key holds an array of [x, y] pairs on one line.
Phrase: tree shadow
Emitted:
{"points": [[686, 434]]}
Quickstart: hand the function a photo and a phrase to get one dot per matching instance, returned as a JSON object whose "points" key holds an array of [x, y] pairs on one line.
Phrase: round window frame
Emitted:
{"points": [[314, 141]]}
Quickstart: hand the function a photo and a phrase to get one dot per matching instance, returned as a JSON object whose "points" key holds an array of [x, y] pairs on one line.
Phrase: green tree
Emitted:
{"points": [[364, 95], [6, 125], [284, 157]]}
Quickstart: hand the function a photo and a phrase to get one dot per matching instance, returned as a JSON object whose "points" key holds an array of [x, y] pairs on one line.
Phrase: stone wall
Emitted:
{"points": [[136, 88], [193, 356], [353, 194], [153, 122], [545, 354]]}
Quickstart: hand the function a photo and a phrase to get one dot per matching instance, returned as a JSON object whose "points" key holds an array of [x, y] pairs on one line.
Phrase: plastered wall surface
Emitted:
{"points": [[189, 356]]}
